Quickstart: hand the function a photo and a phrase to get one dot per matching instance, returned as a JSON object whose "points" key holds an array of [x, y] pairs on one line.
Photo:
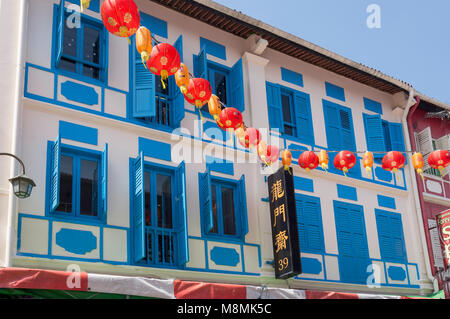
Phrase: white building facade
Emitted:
{"points": [[126, 171]]}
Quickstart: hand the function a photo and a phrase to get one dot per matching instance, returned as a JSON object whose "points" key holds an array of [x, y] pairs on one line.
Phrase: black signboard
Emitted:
{"points": [[283, 215]]}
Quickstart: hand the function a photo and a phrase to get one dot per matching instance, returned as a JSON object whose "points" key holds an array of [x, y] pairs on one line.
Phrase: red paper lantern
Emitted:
{"points": [[249, 138], [344, 160], [268, 153], [230, 118], [308, 160], [198, 92], [393, 161], [164, 60], [120, 17], [439, 160]]}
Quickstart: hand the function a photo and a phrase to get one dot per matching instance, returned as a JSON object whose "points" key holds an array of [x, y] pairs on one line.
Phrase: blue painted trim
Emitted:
{"points": [[155, 25], [311, 266], [347, 192], [397, 273], [291, 77], [386, 201], [213, 48], [335, 91], [94, 5], [155, 149], [304, 184], [390, 233], [373, 106], [79, 93], [224, 256], [76, 241], [219, 165], [382, 174], [79, 133]]}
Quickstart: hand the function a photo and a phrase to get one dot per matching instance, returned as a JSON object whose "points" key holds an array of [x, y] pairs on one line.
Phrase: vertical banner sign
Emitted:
{"points": [[283, 215], [443, 223]]}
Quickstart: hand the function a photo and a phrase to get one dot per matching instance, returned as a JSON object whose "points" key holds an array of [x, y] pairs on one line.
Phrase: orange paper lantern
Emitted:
{"points": [[182, 78], [144, 44], [286, 159], [417, 161], [323, 159], [368, 161]]}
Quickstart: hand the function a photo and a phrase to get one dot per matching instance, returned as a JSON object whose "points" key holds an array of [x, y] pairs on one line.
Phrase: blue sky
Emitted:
{"points": [[412, 44]]}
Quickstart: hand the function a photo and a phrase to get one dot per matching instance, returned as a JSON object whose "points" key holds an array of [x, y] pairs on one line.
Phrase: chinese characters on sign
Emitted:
{"points": [[443, 223], [286, 249]]}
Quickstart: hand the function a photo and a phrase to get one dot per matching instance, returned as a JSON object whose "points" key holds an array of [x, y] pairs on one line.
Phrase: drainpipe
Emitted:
{"points": [[16, 125], [406, 129]]}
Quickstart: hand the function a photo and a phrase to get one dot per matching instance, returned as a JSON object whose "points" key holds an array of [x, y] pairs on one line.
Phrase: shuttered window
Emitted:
{"points": [[290, 112], [223, 206], [78, 182], [390, 236], [150, 101], [159, 214], [310, 227]]}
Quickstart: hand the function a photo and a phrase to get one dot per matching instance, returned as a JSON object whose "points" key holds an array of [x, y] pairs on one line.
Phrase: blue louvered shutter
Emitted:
{"points": [[104, 183], [182, 235], [200, 64], [303, 118], [237, 86], [332, 126], [55, 177], [274, 106], [243, 207], [352, 243], [396, 135], [309, 220], [206, 201], [178, 97], [139, 209], [390, 236], [374, 133], [60, 33], [347, 136]]}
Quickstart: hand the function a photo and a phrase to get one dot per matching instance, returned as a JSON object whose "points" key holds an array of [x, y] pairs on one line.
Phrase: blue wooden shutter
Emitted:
{"points": [[178, 97], [352, 243], [200, 66], [206, 212], [332, 126], [374, 133], [274, 106], [237, 86], [60, 32], [139, 208], [390, 236], [347, 135], [54, 186], [396, 135], [303, 118], [243, 207], [182, 238], [309, 220], [104, 183]]}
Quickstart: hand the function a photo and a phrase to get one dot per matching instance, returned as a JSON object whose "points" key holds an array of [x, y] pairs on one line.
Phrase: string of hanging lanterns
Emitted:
{"points": [[121, 18]]}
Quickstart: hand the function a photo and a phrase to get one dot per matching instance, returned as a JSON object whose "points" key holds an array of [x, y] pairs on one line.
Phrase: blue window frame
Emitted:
{"points": [[159, 219], [223, 207], [227, 83], [290, 112], [310, 227], [77, 185], [80, 49], [383, 136], [340, 133], [390, 236], [151, 103]]}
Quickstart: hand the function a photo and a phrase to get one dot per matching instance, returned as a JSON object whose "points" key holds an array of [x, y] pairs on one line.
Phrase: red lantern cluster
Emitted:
{"points": [[164, 60], [230, 118], [393, 161], [120, 17], [344, 160], [308, 160]]}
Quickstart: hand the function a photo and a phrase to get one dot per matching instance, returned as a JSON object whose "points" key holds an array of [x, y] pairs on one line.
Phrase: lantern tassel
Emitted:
{"points": [[129, 41], [202, 119], [164, 76], [144, 57], [368, 170]]}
